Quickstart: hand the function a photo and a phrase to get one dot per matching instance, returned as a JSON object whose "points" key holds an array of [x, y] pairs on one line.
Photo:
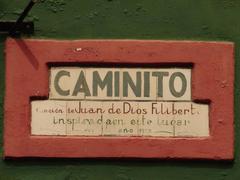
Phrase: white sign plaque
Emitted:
{"points": [[88, 101]]}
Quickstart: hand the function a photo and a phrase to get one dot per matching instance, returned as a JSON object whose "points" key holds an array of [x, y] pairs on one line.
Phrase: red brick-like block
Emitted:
{"points": [[27, 77]]}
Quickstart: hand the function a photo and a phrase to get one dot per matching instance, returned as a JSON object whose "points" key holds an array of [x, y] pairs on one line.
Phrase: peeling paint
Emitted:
{"points": [[54, 6]]}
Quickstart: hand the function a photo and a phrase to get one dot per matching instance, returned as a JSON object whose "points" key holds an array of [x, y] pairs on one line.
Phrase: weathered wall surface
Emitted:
{"points": [[127, 19]]}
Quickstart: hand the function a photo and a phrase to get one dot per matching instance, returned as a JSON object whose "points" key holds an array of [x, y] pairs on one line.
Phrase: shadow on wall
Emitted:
{"points": [[28, 53], [128, 162]]}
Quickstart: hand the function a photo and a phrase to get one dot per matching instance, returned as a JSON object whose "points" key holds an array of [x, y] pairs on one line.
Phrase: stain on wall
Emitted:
{"points": [[215, 20]]}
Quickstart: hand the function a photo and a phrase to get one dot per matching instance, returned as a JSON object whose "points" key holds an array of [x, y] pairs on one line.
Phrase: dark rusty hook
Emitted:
{"points": [[15, 29]]}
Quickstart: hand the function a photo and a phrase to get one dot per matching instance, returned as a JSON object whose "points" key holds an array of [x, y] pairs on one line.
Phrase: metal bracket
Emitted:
{"points": [[18, 27], [25, 27]]}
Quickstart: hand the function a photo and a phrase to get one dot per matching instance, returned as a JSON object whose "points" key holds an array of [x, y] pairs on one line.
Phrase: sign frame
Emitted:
{"points": [[27, 78]]}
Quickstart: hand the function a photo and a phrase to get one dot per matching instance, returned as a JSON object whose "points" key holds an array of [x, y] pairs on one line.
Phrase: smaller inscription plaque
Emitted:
{"points": [[111, 118], [120, 102]]}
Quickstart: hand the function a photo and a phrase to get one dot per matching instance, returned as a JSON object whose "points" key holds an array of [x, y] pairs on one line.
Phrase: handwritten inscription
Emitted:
{"points": [[111, 118]]}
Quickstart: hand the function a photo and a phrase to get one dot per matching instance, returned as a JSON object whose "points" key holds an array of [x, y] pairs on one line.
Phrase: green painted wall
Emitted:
{"points": [[127, 19]]}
